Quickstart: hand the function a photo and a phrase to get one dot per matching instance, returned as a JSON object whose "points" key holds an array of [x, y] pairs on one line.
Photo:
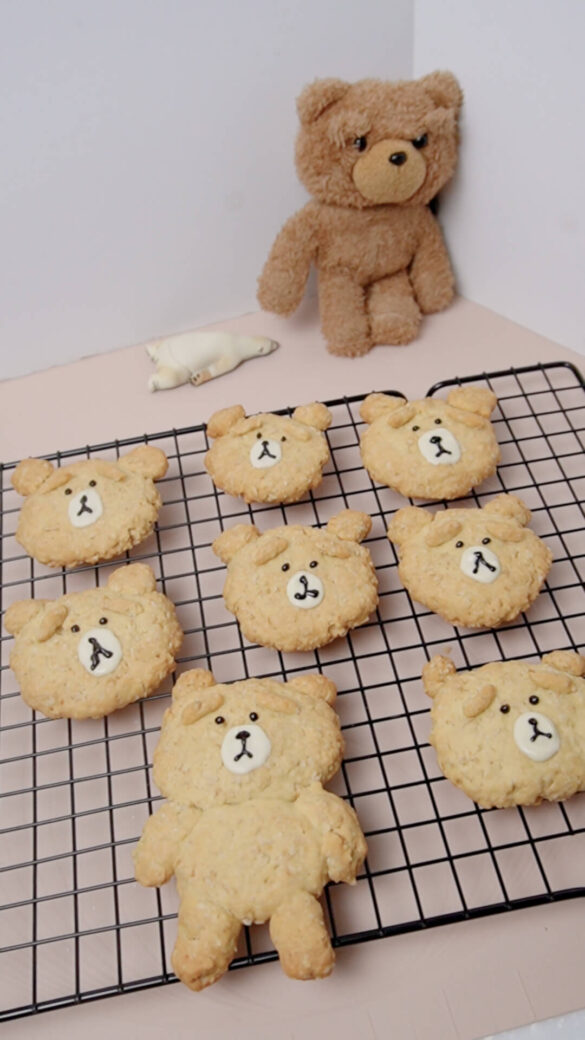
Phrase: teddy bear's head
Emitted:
{"points": [[88, 653], [510, 733], [224, 744], [474, 567], [430, 448], [90, 510], [268, 458], [373, 142], [296, 588]]}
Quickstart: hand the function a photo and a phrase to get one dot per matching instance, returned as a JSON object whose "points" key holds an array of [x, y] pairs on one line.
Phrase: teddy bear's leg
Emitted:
{"points": [[344, 320], [394, 313], [165, 378], [206, 942], [298, 931]]}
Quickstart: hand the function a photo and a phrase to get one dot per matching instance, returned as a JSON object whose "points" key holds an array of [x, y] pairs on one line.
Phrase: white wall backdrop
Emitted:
{"points": [[147, 156], [515, 214]]}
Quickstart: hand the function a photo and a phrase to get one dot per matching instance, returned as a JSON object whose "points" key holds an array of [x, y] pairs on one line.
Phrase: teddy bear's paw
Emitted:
{"points": [[298, 931], [351, 348], [206, 943]]}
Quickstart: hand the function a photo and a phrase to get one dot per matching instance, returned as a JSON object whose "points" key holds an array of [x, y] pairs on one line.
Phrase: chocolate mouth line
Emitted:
{"points": [[437, 439], [536, 731], [84, 506], [266, 451], [97, 650], [480, 559], [243, 736], [306, 590]]}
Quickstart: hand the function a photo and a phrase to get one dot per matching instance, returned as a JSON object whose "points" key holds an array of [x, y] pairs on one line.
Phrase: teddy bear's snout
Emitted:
{"points": [[480, 563], [536, 736], [245, 749], [439, 447], [265, 452], [99, 651], [391, 171], [305, 590], [85, 508]]}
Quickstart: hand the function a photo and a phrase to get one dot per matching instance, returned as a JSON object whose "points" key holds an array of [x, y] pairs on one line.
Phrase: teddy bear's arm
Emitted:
{"points": [[282, 282], [430, 272], [342, 842], [164, 831]]}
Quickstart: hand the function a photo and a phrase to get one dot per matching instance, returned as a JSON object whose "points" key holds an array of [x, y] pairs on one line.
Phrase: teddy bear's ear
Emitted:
{"points": [[510, 507], [227, 544], [196, 691], [146, 460], [406, 522], [221, 422], [315, 685], [476, 399], [547, 680], [442, 529], [435, 673], [443, 88], [30, 474], [566, 661], [19, 614], [109, 470], [315, 414], [314, 99], [376, 405], [195, 681], [350, 525], [479, 701], [268, 547], [47, 621], [133, 580]]}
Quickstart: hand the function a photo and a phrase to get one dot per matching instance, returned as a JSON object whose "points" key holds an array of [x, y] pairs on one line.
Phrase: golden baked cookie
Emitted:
{"points": [[88, 653], [296, 588], [474, 567], [432, 448], [511, 732], [268, 458], [88, 511], [248, 830]]}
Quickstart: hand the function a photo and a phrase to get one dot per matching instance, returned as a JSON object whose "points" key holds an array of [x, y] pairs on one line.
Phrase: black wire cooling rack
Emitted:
{"points": [[74, 925]]}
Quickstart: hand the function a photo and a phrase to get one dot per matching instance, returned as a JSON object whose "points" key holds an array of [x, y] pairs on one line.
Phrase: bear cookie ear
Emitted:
{"points": [[146, 461], [406, 522], [221, 422], [229, 542], [30, 474], [314, 99], [135, 579], [509, 507], [350, 525], [376, 405], [315, 414], [566, 661], [476, 399], [315, 685], [19, 614]]}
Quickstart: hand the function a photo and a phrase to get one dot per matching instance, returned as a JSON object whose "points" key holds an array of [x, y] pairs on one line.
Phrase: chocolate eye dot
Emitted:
{"points": [[415, 428], [505, 709], [219, 719], [103, 621], [458, 545], [253, 716], [283, 438], [485, 541], [314, 563], [534, 699], [67, 491], [285, 567], [92, 483], [75, 628], [258, 435], [438, 422]]}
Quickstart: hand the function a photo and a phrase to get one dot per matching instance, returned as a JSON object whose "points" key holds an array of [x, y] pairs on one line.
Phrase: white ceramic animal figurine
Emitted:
{"points": [[197, 357]]}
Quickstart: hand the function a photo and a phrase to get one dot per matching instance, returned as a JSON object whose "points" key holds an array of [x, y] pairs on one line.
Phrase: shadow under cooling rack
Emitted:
{"points": [[74, 796]]}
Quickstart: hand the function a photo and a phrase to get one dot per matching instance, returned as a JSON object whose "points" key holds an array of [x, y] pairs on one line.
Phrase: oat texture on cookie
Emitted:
{"points": [[475, 567], [88, 653], [296, 587], [433, 448], [511, 732], [88, 511], [247, 829], [268, 458]]}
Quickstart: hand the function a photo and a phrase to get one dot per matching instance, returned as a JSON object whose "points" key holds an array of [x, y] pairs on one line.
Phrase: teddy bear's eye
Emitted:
{"points": [[458, 545], [314, 563], [258, 435], [421, 141], [219, 719], [485, 541], [361, 143], [534, 699], [438, 422], [283, 438], [285, 567], [103, 621], [75, 628], [504, 708], [253, 716], [415, 428], [68, 491], [92, 483]]}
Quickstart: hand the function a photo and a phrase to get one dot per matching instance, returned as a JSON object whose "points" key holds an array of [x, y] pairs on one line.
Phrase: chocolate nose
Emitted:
{"points": [[243, 734], [398, 158]]}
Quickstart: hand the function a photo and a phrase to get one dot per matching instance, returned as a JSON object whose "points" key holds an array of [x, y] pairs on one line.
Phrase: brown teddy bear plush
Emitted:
{"points": [[373, 155], [248, 830]]}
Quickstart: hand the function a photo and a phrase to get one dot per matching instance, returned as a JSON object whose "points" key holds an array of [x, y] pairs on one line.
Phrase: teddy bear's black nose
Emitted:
{"points": [[398, 158], [243, 734]]}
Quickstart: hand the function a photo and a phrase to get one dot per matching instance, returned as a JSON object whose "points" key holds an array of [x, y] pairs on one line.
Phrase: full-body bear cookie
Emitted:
{"points": [[511, 732], [248, 830], [88, 511], [373, 155]]}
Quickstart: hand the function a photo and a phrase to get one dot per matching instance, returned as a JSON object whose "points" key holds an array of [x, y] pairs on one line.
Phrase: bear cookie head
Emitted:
{"points": [[295, 587], [224, 744], [431, 448], [474, 567], [268, 458], [88, 511], [89, 653], [373, 142], [511, 732]]}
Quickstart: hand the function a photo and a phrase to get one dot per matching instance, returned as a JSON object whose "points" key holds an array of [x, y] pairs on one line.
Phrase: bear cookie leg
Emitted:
{"points": [[344, 321], [394, 312], [297, 929], [206, 942]]}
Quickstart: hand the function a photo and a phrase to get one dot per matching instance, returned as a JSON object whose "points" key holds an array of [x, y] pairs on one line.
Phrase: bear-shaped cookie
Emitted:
{"points": [[510, 732], [373, 155], [296, 587], [268, 458], [88, 511], [248, 830], [474, 567], [88, 653], [431, 448]]}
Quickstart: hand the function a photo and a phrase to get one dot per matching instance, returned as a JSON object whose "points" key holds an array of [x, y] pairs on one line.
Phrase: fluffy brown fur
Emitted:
{"points": [[372, 155]]}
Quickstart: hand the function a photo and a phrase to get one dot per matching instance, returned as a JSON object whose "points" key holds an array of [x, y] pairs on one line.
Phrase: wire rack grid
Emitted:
{"points": [[74, 795]]}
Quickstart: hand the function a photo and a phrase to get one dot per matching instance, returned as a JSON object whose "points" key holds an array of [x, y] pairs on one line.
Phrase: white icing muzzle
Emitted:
{"points": [[305, 590], [439, 447], [265, 453], [480, 563], [85, 508], [245, 748], [99, 651], [536, 736]]}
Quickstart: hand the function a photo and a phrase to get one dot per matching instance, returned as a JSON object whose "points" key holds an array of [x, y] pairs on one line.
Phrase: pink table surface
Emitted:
{"points": [[451, 983]]}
